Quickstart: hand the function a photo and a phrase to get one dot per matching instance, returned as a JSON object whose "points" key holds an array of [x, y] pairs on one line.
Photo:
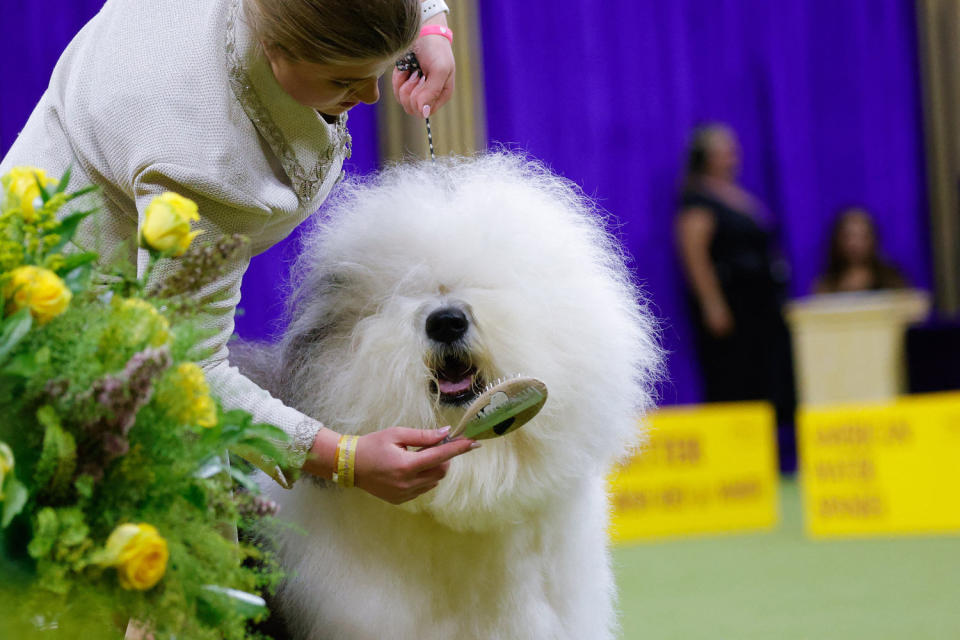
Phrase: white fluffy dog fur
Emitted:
{"points": [[512, 544]]}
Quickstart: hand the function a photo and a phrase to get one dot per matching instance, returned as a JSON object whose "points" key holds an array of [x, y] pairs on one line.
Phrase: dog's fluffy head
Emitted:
{"points": [[424, 283]]}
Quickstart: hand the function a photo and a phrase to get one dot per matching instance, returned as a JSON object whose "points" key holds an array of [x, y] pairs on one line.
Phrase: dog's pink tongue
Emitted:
{"points": [[459, 386]]}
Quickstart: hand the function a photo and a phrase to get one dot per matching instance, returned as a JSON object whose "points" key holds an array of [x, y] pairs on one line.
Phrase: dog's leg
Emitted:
{"points": [[580, 578]]}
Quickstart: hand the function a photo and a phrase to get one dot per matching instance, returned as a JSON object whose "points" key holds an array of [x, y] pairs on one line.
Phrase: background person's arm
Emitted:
{"points": [[695, 229]]}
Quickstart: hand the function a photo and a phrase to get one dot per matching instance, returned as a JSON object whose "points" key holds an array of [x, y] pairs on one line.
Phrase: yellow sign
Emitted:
{"points": [[882, 469], [707, 469]]}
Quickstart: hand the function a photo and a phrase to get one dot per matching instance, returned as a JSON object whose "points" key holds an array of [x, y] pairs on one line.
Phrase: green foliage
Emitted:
{"points": [[60, 545], [66, 229], [58, 457], [14, 498], [26, 364], [76, 270], [12, 331]]}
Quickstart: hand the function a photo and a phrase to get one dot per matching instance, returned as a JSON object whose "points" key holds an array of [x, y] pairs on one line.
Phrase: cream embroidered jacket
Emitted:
{"points": [[175, 95]]}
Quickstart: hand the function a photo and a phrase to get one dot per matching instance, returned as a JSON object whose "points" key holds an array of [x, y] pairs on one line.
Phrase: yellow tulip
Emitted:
{"points": [[139, 553], [21, 187], [40, 290], [166, 224]]}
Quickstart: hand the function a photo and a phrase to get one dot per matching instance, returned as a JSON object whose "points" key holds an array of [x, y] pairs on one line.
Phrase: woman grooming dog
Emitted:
{"points": [[241, 106]]}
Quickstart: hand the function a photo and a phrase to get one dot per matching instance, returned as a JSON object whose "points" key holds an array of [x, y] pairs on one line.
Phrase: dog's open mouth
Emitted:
{"points": [[456, 381]]}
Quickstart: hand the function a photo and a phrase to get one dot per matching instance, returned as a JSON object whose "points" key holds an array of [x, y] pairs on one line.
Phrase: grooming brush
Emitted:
{"points": [[410, 63], [503, 407]]}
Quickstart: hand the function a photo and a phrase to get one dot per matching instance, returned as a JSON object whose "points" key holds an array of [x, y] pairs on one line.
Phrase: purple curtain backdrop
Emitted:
{"points": [[34, 36], [824, 95], [28, 54]]}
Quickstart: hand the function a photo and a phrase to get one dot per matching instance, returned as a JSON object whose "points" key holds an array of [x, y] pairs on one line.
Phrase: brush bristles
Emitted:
{"points": [[500, 381]]}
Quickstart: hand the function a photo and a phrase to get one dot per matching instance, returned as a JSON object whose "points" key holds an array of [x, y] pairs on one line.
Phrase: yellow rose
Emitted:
{"points": [[186, 396], [139, 554], [166, 224], [39, 289], [6, 464], [20, 185], [149, 325]]}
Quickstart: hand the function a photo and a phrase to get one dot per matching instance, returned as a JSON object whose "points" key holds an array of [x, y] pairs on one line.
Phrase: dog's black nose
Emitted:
{"points": [[447, 325]]}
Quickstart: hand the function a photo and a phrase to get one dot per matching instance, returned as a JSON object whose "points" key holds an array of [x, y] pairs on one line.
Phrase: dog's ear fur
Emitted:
{"points": [[310, 306], [302, 343], [309, 324], [257, 361], [269, 365]]}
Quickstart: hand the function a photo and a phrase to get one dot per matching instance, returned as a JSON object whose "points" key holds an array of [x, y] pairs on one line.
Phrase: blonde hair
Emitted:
{"points": [[331, 31]]}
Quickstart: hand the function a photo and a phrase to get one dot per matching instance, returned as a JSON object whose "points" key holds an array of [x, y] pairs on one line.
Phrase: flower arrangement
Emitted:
{"points": [[117, 497]]}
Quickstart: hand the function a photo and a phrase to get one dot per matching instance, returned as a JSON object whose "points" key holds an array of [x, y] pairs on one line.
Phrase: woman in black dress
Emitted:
{"points": [[735, 285]]}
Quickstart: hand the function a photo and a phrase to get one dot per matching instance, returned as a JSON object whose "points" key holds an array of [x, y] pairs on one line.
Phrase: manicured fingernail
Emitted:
{"points": [[422, 80], [426, 111], [474, 445], [444, 431]]}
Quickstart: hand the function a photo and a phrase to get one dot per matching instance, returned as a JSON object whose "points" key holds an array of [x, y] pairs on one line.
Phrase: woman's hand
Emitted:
{"points": [[387, 470], [384, 466], [425, 95]]}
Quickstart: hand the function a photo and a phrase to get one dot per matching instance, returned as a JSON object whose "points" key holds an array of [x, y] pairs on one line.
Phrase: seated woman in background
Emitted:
{"points": [[725, 245], [855, 262]]}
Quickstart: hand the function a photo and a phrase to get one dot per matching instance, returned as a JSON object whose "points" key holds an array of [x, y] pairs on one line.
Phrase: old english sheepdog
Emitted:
{"points": [[415, 289]]}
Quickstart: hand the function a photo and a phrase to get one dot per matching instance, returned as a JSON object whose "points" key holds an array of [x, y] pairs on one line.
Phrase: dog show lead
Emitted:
{"points": [[241, 106]]}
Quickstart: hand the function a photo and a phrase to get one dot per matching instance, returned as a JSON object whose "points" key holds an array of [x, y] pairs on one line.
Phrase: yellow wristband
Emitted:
{"points": [[336, 461], [346, 460]]}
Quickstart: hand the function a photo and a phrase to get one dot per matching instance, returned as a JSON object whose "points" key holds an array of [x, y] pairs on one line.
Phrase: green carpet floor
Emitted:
{"points": [[783, 586]]}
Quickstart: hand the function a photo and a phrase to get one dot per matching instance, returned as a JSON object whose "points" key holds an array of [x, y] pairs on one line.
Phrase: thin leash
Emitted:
{"points": [[433, 156], [410, 63]]}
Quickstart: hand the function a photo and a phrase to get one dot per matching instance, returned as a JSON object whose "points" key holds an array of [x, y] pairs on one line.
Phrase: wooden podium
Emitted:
{"points": [[850, 346]]}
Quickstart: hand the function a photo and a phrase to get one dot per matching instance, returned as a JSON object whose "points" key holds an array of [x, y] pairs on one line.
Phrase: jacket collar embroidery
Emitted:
{"points": [[302, 140]]}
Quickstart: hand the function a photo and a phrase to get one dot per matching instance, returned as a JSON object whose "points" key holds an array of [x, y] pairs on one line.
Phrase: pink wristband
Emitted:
{"points": [[437, 30]]}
